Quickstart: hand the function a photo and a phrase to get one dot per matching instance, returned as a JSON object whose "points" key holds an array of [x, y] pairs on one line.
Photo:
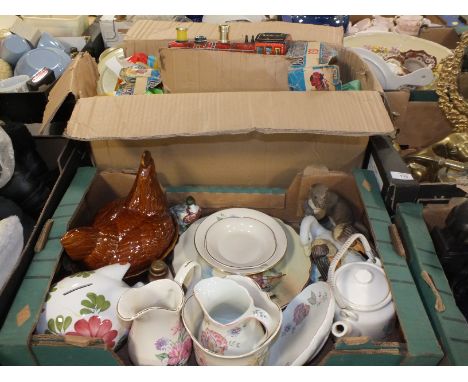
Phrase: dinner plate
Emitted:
{"points": [[294, 267], [240, 242], [238, 245], [306, 325]]}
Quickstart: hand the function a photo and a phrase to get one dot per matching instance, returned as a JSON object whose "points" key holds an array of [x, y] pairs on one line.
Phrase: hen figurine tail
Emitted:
{"points": [[80, 243]]}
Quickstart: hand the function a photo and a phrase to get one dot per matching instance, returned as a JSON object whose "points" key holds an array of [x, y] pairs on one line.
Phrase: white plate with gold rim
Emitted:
{"points": [[240, 240], [295, 266]]}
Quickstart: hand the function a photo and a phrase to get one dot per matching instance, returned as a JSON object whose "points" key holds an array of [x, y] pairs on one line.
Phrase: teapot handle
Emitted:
{"points": [[338, 257], [188, 274]]}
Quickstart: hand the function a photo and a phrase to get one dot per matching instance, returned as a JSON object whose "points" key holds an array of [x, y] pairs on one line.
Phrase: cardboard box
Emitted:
{"points": [[61, 156], [412, 343], [448, 322]]}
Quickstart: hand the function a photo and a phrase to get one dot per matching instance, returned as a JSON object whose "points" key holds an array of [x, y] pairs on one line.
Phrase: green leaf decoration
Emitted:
{"points": [[92, 297], [87, 304], [59, 323], [53, 288], [51, 325], [162, 356], [83, 274], [94, 304]]}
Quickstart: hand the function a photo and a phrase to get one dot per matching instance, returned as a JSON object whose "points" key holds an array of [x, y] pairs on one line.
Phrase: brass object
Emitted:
{"points": [[158, 270], [451, 102], [444, 161], [224, 33]]}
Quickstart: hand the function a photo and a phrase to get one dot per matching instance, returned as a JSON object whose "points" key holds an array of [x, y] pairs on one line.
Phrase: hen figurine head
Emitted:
{"points": [[137, 229]]}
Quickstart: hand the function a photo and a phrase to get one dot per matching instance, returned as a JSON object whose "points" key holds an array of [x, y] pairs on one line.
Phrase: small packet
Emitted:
{"points": [[131, 73], [141, 85], [320, 77]]}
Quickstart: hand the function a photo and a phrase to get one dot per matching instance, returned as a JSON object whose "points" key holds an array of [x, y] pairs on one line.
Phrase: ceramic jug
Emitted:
{"points": [[232, 324], [157, 335], [364, 304]]}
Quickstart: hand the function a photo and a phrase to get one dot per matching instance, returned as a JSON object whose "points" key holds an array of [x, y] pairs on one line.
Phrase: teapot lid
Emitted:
{"points": [[363, 285]]}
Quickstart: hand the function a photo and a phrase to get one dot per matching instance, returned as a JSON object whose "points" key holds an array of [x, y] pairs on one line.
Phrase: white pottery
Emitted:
{"points": [[307, 323], [364, 304], [229, 237], [294, 266], [157, 335], [11, 246], [85, 304], [240, 258], [232, 324], [193, 316]]}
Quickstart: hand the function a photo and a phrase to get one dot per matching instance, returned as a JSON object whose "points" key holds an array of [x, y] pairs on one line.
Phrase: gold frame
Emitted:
{"points": [[451, 102]]}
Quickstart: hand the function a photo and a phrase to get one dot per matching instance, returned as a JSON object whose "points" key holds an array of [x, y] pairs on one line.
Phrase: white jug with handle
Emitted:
{"points": [[157, 335], [232, 324], [364, 304]]}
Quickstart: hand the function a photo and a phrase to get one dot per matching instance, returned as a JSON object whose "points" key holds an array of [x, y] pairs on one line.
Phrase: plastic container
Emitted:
{"points": [[59, 26]]}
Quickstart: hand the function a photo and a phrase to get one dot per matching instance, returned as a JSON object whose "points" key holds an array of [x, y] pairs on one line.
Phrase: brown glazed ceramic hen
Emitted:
{"points": [[137, 229]]}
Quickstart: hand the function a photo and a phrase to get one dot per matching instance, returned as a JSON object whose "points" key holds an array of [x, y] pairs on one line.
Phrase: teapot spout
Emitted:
{"points": [[160, 295]]}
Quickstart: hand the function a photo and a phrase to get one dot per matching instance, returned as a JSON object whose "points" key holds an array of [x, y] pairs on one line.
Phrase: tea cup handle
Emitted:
{"points": [[188, 274], [343, 250]]}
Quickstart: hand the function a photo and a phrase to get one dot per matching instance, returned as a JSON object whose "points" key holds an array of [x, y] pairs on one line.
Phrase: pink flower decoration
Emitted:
{"points": [[300, 312], [213, 341], [180, 352], [96, 329]]}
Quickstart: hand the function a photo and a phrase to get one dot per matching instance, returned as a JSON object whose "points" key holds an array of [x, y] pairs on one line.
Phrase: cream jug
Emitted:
{"points": [[232, 324], [158, 336], [364, 304]]}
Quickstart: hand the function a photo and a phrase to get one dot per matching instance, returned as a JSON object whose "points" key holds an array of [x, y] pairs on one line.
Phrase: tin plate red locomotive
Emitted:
{"points": [[263, 43]]}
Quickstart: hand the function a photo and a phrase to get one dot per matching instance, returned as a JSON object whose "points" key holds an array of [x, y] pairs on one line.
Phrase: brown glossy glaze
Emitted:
{"points": [[137, 229]]}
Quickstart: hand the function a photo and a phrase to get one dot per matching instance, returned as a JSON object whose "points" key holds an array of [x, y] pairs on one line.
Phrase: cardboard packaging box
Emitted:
{"points": [[63, 157], [448, 322], [413, 341]]}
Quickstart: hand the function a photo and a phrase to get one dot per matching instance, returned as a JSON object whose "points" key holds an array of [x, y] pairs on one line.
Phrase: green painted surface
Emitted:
{"points": [[365, 358], [450, 325], [67, 355], [421, 341], [14, 338]]}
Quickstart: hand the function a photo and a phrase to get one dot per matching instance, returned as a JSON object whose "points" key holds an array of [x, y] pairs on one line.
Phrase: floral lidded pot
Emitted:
{"points": [[85, 304]]}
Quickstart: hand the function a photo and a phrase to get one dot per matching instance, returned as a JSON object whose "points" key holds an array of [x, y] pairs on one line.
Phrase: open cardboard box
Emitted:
{"points": [[415, 223], [413, 341]]}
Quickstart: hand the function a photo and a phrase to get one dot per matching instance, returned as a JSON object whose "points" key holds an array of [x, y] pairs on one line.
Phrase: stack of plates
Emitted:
{"points": [[241, 241]]}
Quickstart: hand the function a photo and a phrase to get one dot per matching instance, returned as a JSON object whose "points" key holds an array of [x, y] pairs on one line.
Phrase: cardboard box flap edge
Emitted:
{"points": [[204, 114], [80, 79], [150, 31]]}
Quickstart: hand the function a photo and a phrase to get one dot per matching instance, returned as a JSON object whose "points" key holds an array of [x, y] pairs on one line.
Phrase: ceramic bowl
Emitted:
{"points": [[85, 304], [13, 47], [49, 41], [15, 84], [192, 316], [36, 59]]}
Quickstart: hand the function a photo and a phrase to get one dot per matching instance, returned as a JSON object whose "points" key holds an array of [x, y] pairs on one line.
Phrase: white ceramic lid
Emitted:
{"points": [[362, 284]]}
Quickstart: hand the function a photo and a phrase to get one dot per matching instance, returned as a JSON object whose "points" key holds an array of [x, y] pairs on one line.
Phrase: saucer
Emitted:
{"points": [[240, 240], [295, 265], [307, 323]]}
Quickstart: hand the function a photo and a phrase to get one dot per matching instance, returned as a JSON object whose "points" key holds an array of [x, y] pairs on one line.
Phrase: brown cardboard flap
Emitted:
{"points": [[79, 78], [203, 114], [149, 35], [197, 71], [193, 70]]}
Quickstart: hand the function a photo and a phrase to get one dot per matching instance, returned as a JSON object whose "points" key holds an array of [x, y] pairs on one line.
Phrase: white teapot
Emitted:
{"points": [[364, 304], [85, 304]]}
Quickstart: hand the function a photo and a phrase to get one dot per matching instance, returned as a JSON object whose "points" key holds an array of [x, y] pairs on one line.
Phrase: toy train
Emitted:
{"points": [[263, 43]]}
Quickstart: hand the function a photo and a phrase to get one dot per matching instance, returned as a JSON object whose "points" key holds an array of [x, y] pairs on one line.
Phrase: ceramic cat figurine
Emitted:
{"points": [[137, 229]]}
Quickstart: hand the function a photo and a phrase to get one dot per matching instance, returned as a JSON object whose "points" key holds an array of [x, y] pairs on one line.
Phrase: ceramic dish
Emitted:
{"points": [[307, 323], [238, 248], [36, 59], [107, 78], [229, 237], [295, 266]]}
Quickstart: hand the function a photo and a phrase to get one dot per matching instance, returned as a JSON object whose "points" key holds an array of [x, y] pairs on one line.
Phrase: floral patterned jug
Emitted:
{"points": [[158, 336]]}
